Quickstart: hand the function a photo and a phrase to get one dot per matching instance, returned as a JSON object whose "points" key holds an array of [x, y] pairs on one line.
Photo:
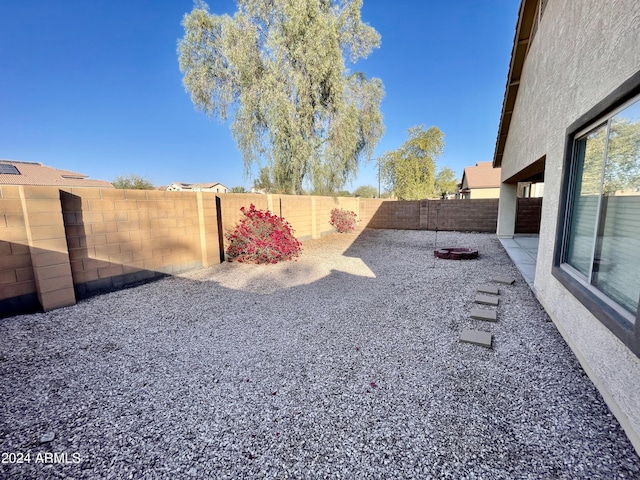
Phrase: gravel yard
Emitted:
{"points": [[344, 364]]}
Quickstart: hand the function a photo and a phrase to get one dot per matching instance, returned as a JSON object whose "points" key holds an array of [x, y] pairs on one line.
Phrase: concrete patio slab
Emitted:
{"points": [[523, 251]]}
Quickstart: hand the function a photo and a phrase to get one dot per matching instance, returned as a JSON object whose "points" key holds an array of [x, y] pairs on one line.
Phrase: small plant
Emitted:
{"points": [[262, 237], [343, 220]]}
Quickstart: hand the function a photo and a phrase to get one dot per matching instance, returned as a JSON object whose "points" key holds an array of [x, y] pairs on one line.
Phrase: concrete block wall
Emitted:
{"points": [[300, 212], [481, 216], [461, 215], [528, 214], [404, 215], [367, 209], [119, 237], [18, 292], [34, 261]]}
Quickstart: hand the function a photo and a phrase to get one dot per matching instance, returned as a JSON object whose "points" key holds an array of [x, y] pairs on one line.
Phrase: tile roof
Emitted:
{"points": [[483, 175], [31, 173]]}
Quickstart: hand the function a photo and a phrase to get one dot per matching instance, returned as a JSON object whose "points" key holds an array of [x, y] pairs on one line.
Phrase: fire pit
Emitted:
{"points": [[456, 253]]}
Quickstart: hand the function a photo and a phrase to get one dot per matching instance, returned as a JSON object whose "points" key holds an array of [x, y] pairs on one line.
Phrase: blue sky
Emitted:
{"points": [[94, 86]]}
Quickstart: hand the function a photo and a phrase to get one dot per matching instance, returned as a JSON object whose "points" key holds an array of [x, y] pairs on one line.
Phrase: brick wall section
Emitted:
{"points": [[403, 215], [454, 215], [48, 246], [461, 215], [18, 292], [367, 209], [529, 213], [119, 237], [34, 260]]}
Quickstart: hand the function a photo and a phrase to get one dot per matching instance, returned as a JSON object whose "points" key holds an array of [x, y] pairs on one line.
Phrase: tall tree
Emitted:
{"points": [[263, 183], [278, 68], [132, 182], [446, 182], [366, 191], [409, 171]]}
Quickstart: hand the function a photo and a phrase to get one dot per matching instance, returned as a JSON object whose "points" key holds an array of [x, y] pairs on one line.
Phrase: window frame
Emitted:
{"points": [[617, 319]]}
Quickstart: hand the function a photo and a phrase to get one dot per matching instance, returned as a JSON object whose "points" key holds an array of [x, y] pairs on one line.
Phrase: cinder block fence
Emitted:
{"points": [[58, 245]]}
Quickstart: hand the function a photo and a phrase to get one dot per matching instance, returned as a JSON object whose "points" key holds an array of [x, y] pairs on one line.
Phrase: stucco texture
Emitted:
{"points": [[580, 54]]}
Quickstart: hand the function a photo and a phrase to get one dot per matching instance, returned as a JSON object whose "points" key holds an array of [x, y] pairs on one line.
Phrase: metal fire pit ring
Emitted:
{"points": [[456, 253]]}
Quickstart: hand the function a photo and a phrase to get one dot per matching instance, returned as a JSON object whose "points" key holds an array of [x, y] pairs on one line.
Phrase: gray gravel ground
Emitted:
{"points": [[344, 364]]}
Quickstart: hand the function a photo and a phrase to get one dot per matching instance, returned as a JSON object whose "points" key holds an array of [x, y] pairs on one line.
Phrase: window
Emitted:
{"points": [[601, 238]]}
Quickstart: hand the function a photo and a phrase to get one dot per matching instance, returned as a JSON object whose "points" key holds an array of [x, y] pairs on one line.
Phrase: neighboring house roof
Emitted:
{"points": [[13, 172], [195, 187], [525, 30], [483, 175]]}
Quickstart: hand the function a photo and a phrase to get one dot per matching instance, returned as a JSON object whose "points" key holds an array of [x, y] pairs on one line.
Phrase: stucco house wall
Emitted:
{"points": [[477, 193], [581, 54]]}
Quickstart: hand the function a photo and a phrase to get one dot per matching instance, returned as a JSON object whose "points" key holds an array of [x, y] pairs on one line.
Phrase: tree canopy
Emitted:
{"points": [[263, 182], [278, 68], [409, 171], [446, 182], [132, 182], [366, 191]]}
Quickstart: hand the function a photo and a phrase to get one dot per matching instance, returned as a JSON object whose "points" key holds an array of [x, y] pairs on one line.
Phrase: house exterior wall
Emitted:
{"points": [[479, 193], [581, 53]]}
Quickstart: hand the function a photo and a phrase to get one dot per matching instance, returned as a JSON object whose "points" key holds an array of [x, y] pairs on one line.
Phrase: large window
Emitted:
{"points": [[601, 240]]}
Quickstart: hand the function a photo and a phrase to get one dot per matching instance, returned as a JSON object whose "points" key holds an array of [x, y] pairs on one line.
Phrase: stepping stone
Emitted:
{"points": [[476, 337], [506, 280], [489, 289], [487, 300], [484, 314], [47, 437]]}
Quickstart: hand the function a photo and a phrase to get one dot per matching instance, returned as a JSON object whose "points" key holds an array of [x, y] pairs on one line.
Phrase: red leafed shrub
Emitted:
{"points": [[343, 220], [262, 237]]}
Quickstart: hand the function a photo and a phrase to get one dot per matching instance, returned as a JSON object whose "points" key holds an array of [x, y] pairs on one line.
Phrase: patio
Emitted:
{"points": [[344, 364], [523, 252]]}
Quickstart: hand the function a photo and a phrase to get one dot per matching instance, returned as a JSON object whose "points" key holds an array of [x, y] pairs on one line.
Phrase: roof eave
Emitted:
{"points": [[521, 41]]}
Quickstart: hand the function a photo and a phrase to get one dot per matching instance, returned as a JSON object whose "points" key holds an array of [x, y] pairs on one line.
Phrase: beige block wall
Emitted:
{"points": [[16, 270], [309, 216], [113, 232], [48, 246], [33, 249]]}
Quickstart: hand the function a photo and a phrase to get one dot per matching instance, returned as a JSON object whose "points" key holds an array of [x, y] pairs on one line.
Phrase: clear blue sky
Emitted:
{"points": [[94, 86]]}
